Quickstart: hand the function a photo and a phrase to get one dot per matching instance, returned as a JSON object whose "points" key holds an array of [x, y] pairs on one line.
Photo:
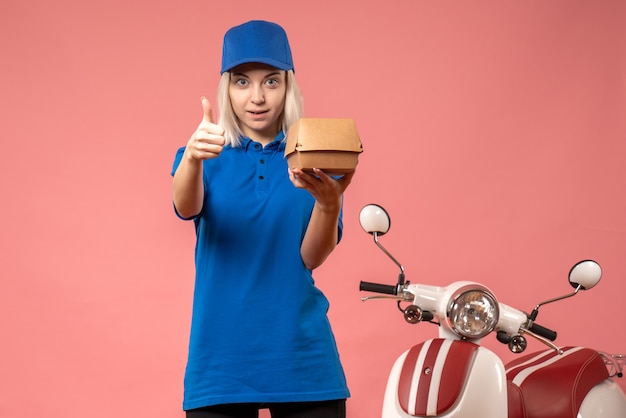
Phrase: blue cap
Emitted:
{"points": [[256, 41]]}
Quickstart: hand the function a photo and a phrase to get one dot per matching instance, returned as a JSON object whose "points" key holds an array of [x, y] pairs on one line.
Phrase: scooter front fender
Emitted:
{"points": [[446, 378]]}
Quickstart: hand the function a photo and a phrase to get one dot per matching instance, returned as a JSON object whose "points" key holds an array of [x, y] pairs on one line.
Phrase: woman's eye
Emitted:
{"points": [[272, 82], [241, 82]]}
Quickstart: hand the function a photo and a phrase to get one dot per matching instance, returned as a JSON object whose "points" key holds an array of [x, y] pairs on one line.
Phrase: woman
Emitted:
{"points": [[260, 336]]}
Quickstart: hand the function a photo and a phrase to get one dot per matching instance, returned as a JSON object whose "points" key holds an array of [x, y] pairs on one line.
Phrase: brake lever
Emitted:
{"points": [[399, 298], [542, 339]]}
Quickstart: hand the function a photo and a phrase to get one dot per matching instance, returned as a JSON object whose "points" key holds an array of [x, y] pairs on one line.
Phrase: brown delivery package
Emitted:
{"points": [[332, 145]]}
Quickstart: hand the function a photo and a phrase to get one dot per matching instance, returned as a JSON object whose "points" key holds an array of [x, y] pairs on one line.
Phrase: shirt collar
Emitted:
{"points": [[278, 143]]}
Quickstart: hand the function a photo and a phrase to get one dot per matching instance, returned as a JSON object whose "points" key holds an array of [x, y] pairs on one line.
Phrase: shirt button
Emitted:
{"points": [[261, 177], [262, 161]]}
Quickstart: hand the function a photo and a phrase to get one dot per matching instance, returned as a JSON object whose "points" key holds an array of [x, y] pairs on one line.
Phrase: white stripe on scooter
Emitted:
{"points": [[521, 376], [415, 381], [435, 383], [532, 360]]}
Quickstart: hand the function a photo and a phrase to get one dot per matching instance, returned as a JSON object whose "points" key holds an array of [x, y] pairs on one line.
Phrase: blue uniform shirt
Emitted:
{"points": [[259, 329]]}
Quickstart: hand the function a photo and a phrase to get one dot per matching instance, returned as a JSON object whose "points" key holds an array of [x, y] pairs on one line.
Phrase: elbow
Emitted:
{"points": [[313, 265], [314, 259], [185, 215], [185, 211]]}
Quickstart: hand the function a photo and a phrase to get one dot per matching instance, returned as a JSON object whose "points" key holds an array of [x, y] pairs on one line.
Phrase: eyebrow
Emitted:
{"points": [[243, 74]]}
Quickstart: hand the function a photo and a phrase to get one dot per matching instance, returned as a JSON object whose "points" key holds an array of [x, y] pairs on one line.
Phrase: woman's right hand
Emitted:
{"points": [[205, 143], [208, 140]]}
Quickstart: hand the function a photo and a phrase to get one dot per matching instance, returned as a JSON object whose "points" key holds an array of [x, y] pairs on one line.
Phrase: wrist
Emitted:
{"points": [[332, 209]]}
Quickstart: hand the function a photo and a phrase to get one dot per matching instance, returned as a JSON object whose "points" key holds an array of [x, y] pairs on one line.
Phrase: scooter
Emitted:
{"points": [[454, 376]]}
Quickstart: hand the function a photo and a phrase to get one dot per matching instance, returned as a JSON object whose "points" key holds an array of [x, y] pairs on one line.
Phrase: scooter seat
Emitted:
{"points": [[547, 384]]}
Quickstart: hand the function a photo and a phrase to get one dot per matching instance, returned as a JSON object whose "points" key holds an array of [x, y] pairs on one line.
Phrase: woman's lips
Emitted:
{"points": [[257, 114]]}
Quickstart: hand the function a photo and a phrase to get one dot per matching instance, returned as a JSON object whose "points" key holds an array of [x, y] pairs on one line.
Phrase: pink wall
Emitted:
{"points": [[493, 133]]}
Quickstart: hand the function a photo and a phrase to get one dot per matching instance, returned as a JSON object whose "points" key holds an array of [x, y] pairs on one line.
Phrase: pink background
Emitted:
{"points": [[494, 134]]}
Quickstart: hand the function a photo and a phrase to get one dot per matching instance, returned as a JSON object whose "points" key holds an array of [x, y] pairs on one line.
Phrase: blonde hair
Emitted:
{"points": [[292, 111]]}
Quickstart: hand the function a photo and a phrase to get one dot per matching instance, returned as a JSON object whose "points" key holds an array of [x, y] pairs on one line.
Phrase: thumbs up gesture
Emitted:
{"points": [[208, 139]]}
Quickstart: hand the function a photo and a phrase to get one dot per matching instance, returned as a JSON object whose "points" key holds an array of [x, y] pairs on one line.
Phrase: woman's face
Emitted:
{"points": [[257, 95]]}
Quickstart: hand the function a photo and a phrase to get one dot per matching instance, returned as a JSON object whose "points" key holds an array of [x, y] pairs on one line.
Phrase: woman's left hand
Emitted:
{"points": [[326, 190]]}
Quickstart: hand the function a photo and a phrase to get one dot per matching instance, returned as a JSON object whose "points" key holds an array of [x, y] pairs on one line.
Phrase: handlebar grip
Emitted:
{"points": [[378, 288], [427, 316], [544, 332]]}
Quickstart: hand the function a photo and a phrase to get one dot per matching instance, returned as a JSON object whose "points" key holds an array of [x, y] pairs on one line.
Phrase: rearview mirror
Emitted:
{"points": [[374, 219], [585, 274]]}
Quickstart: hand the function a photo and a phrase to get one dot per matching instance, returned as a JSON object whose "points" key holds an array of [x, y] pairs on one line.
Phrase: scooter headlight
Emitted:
{"points": [[473, 312]]}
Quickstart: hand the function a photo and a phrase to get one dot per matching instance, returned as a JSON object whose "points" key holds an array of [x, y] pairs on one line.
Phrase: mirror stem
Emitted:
{"points": [[401, 275], [533, 315]]}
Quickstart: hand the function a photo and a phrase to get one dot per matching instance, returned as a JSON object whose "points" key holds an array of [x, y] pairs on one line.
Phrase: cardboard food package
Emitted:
{"points": [[332, 145]]}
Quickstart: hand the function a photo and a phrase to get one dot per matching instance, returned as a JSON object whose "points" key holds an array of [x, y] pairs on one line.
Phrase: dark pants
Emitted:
{"points": [[323, 409]]}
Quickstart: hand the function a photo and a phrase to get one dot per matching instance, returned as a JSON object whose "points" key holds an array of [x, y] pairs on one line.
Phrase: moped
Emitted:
{"points": [[455, 376]]}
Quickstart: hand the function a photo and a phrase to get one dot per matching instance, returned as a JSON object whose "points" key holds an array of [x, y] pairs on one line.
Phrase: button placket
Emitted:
{"points": [[261, 166], [261, 169]]}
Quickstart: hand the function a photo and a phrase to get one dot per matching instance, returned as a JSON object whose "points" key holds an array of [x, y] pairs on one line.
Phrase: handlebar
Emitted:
{"points": [[543, 331], [393, 290], [378, 288]]}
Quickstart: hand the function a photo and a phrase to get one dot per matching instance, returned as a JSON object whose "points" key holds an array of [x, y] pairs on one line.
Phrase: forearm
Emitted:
{"points": [[321, 235], [187, 187]]}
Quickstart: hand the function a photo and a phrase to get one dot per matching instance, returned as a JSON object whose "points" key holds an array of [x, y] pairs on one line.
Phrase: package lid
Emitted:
{"points": [[323, 134]]}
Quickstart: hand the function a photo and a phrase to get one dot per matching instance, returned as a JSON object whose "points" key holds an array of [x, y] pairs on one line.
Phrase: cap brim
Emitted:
{"points": [[262, 60]]}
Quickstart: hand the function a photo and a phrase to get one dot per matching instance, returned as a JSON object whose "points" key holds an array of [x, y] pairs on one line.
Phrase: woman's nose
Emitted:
{"points": [[257, 95]]}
